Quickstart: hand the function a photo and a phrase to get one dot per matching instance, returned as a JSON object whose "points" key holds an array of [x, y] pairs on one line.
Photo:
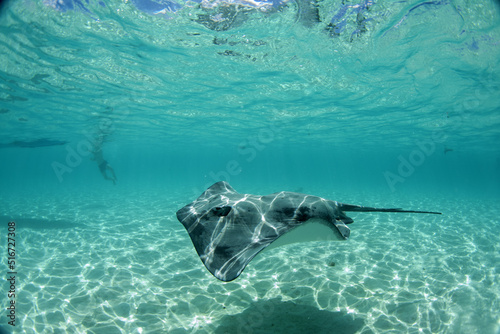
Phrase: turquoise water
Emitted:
{"points": [[402, 113]]}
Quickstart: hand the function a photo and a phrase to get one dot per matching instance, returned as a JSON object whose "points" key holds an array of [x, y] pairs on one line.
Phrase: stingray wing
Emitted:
{"points": [[229, 229], [227, 241]]}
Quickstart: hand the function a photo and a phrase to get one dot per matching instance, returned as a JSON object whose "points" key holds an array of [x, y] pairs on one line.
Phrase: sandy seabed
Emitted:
{"points": [[124, 264]]}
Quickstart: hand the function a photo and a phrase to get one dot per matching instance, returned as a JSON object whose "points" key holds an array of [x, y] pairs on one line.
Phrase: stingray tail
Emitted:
{"points": [[358, 208]]}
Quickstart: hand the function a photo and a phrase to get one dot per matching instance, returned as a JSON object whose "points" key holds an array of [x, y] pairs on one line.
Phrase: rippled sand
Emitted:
{"points": [[107, 264]]}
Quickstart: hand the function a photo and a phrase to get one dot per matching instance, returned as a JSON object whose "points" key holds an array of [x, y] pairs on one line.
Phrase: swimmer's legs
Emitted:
{"points": [[112, 171]]}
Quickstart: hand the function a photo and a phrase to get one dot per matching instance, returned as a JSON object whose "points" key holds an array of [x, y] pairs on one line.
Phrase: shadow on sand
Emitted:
{"points": [[275, 316]]}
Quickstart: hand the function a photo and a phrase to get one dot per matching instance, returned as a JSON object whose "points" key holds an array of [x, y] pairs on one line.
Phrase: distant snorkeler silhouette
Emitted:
{"points": [[106, 170]]}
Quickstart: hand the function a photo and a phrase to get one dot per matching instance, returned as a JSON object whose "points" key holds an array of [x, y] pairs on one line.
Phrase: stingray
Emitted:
{"points": [[43, 142], [229, 229]]}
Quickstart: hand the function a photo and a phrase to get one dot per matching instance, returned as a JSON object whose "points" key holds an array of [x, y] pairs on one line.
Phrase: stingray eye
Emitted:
{"points": [[221, 211]]}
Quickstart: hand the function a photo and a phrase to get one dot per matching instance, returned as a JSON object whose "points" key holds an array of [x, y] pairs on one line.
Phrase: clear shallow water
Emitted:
{"points": [[268, 105]]}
